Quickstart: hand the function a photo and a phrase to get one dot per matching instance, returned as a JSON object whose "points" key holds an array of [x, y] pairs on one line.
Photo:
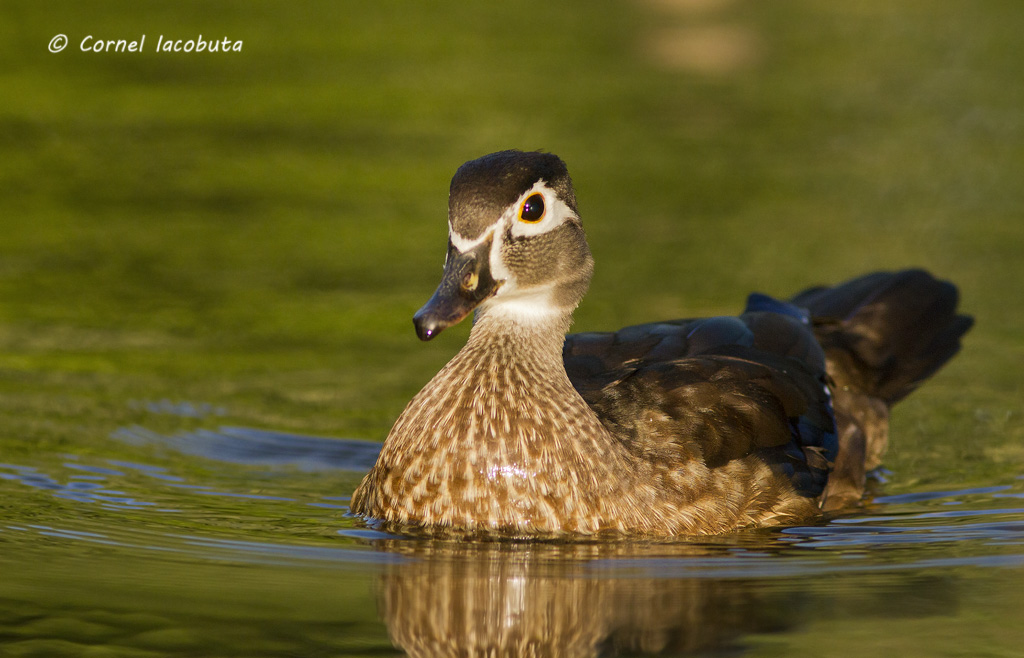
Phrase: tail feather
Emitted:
{"points": [[895, 328], [883, 334]]}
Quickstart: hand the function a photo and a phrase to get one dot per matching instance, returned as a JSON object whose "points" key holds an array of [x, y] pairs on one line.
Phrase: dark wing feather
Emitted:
{"points": [[716, 389], [592, 359]]}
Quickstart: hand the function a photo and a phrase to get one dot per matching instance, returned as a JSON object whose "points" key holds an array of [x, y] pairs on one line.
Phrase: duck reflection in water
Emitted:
{"points": [[597, 599], [504, 599]]}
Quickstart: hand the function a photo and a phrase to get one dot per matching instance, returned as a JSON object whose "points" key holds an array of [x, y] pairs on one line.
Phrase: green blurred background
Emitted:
{"points": [[253, 230]]}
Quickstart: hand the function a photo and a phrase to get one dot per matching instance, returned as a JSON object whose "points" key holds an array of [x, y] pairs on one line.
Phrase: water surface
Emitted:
{"points": [[237, 542]]}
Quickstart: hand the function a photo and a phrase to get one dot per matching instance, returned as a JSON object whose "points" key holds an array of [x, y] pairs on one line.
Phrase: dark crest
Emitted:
{"points": [[482, 188]]}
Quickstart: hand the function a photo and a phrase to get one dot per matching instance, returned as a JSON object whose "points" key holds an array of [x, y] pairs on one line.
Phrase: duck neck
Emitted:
{"points": [[531, 343], [505, 397]]}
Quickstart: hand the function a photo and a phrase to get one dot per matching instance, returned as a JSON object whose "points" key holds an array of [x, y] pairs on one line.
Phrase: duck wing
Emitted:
{"points": [[715, 389]]}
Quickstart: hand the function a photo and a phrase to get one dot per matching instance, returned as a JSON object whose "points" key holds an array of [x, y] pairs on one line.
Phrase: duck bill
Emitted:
{"points": [[466, 282]]}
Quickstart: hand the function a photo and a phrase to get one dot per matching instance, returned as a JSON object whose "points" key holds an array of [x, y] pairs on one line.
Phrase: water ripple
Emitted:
{"points": [[982, 533], [938, 495], [243, 445]]}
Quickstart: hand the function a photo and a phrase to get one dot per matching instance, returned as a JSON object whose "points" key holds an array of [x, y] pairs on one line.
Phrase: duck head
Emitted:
{"points": [[515, 243]]}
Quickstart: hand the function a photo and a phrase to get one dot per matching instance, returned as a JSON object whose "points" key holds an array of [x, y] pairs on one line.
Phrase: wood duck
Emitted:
{"points": [[685, 427]]}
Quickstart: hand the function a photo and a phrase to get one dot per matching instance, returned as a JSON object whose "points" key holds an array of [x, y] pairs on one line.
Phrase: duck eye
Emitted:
{"points": [[532, 209]]}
